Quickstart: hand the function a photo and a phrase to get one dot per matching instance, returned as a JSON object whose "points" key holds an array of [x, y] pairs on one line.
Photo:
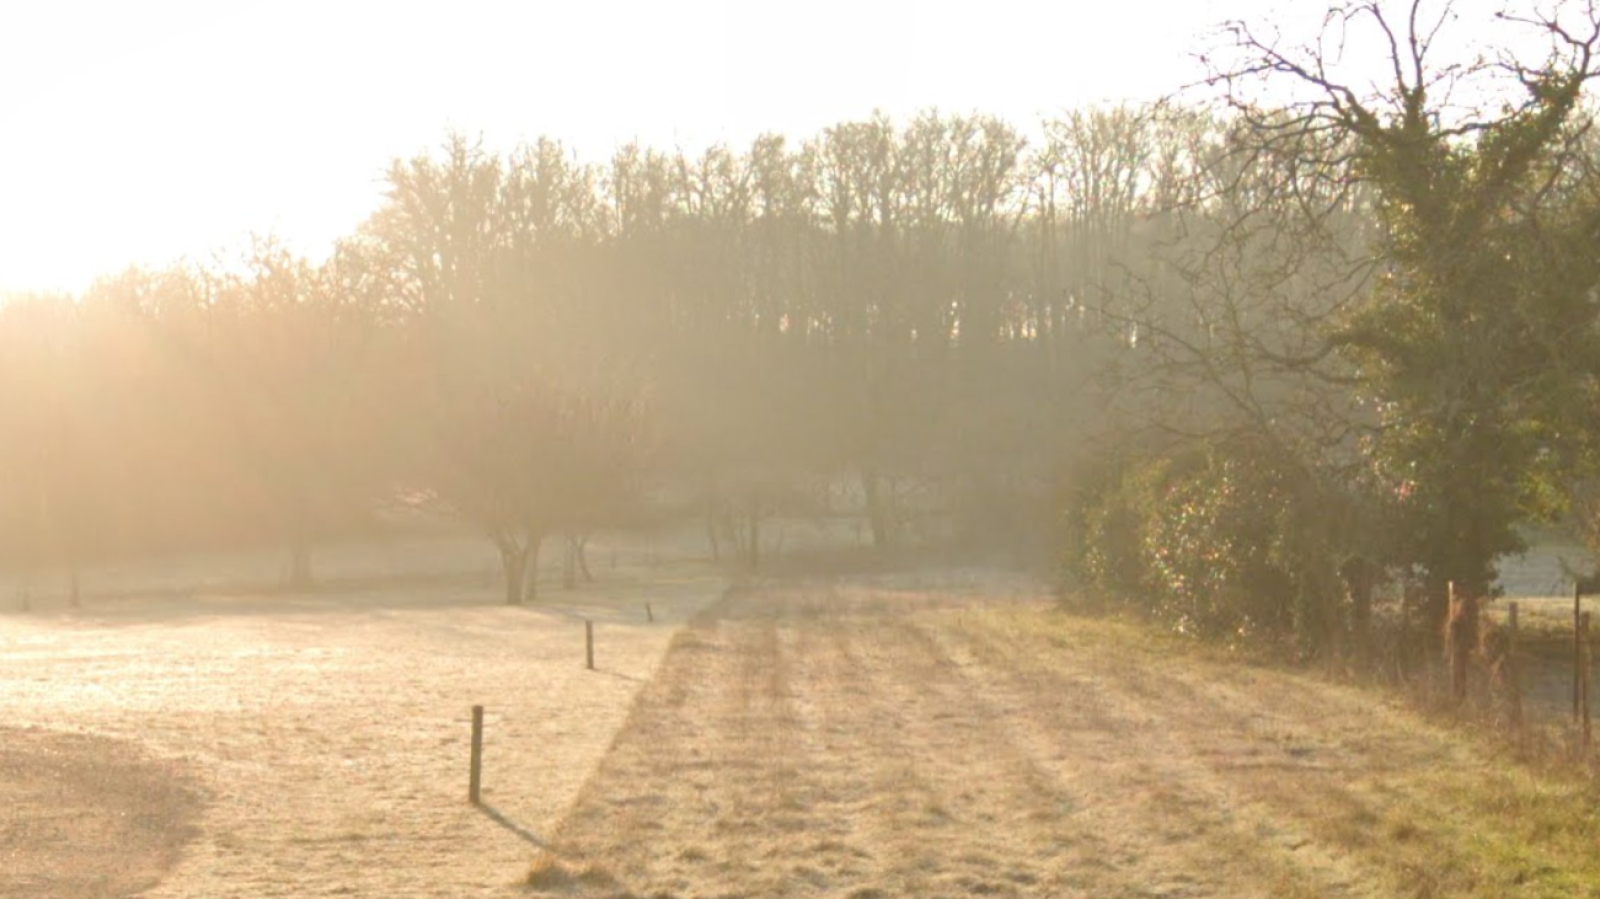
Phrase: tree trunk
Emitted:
{"points": [[569, 563], [877, 515], [734, 529], [1359, 577], [513, 562], [1438, 597], [530, 581], [583, 559], [1461, 638], [711, 526]]}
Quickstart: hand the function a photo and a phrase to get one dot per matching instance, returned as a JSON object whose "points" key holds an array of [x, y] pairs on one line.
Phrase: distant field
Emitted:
{"points": [[1545, 570], [315, 745]]}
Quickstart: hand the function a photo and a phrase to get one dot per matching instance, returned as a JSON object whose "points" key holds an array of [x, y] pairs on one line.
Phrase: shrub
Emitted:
{"points": [[1216, 544], [1230, 540]]}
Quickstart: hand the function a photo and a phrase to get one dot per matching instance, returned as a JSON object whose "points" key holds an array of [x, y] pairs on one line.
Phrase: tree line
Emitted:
{"points": [[540, 344]]}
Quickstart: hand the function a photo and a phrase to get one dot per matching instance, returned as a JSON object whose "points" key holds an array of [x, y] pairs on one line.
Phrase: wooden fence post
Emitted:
{"points": [[476, 777], [1456, 641], [1583, 664], [649, 613], [1402, 655], [1577, 647], [588, 642], [1513, 681]]}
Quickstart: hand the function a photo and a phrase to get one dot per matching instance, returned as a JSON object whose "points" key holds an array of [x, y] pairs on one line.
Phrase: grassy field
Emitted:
{"points": [[893, 738], [936, 735], [214, 743], [88, 817]]}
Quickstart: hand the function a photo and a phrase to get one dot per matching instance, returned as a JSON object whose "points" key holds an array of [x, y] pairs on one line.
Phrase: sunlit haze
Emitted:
{"points": [[855, 448], [141, 133]]}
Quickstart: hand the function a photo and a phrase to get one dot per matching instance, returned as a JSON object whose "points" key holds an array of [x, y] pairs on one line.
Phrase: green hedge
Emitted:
{"points": [[1229, 540]]}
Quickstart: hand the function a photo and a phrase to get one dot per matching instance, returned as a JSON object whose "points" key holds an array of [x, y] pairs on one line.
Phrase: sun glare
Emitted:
{"points": [[180, 128]]}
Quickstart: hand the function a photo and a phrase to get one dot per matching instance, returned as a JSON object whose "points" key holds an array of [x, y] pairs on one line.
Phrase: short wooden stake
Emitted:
{"points": [[588, 643], [1577, 649], [476, 776], [1403, 656], [1583, 664], [1513, 681], [649, 612]]}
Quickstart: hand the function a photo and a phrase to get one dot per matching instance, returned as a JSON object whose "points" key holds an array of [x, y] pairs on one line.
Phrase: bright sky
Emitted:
{"points": [[144, 132]]}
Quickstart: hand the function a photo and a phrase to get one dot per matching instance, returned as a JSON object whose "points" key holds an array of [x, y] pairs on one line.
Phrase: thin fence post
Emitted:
{"points": [[1455, 641], [1583, 680], [1577, 648], [588, 643], [1513, 681], [476, 777], [1403, 651], [649, 613]]}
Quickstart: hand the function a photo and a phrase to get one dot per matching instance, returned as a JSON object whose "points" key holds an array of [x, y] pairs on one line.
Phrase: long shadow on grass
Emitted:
{"points": [[522, 833]]}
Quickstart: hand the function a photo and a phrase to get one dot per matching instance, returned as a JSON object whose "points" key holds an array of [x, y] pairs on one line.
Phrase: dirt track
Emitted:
{"points": [[873, 741]]}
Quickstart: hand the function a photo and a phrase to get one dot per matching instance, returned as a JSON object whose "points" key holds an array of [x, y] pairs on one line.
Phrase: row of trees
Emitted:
{"points": [[277, 400], [536, 343]]}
